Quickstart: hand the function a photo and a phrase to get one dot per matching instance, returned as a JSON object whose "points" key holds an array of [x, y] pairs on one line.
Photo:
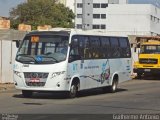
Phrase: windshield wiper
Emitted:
{"points": [[24, 55], [52, 58]]}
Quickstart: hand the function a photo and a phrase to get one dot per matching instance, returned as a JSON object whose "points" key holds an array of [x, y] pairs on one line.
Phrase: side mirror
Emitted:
{"points": [[17, 43]]}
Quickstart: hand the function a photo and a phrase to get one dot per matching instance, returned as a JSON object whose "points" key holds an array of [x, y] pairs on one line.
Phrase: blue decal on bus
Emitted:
{"points": [[39, 58]]}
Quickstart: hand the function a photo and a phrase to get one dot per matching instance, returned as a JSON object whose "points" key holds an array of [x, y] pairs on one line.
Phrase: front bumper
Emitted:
{"points": [[147, 70], [40, 89]]}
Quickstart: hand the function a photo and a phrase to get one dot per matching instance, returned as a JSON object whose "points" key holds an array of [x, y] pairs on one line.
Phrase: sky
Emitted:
{"points": [[155, 2], [7, 5]]}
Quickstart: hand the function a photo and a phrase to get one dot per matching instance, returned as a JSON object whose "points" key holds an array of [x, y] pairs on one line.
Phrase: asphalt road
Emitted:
{"points": [[133, 97]]}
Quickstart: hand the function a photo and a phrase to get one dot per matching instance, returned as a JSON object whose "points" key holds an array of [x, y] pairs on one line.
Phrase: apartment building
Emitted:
{"points": [[117, 16]]}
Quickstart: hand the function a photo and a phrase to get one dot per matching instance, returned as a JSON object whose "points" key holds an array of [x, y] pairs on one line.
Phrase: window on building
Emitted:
{"points": [[157, 20], [79, 26], [96, 5], [96, 16], [79, 15], [103, 26], [103, 16], [79, 5], [96, 26], [104, 5], [151, 17], [154, 19]]}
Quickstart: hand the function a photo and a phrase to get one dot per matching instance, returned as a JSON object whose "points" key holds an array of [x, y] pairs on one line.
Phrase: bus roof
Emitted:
{"points": [[77, 31]]}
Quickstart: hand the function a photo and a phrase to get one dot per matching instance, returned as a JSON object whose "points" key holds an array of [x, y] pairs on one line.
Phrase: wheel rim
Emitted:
{"points": [[114, 86], [73, 90]]}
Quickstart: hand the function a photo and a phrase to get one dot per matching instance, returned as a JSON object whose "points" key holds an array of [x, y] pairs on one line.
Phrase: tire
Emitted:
{"points": [[105, 89], [139, 75], [73, 91], [27, 94], [113, 87]]}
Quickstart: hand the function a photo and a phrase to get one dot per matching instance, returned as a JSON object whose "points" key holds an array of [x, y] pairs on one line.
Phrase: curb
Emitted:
{"points": [[6, 86]]}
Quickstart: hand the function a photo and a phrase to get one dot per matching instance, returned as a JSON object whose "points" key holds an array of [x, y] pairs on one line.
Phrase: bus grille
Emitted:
{"points": [[36, 79], [148, 61], [35, 75]]}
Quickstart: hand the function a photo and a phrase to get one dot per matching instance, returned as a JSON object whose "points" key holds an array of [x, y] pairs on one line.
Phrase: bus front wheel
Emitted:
{"points": [[73, 91], [27, 94]]}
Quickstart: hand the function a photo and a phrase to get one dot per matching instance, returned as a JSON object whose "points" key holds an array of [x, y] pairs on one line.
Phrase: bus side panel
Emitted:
{"points": [[121, 67], [91, 71], [75, 69]]}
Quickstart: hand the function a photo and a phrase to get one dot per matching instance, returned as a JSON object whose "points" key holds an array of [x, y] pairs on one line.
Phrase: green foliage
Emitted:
{"points": [[42, 12]]}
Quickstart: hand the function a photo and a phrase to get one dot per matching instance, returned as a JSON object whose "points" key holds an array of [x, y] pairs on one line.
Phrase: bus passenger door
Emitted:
{"points": [[76, 62]]}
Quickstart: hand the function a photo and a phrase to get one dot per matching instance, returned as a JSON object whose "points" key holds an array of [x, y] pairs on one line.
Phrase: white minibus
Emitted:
{"points": [[71, 60]]}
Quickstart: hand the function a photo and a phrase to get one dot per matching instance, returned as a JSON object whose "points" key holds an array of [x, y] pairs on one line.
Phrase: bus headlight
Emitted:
{"points": [[18, 74]]}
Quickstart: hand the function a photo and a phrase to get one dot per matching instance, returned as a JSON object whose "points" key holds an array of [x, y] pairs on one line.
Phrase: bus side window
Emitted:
{"points": [[115, 47], [95, 47], [81, 46], [105, 47], [74, 52], [84, 48], [125, 49]]}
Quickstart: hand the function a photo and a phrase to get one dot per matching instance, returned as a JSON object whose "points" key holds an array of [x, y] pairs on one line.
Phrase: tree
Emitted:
{"points": [[42, 12]]}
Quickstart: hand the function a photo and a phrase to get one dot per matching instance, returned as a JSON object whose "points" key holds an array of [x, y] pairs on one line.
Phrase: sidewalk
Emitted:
{"points": [[6, 86]]}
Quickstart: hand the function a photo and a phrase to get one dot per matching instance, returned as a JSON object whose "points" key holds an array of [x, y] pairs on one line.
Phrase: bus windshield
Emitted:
{"points": [[43, 49], [150, 49]]}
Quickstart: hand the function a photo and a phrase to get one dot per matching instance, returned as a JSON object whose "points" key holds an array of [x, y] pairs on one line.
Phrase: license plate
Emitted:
{"points": [[35, 80], [147, 70]]}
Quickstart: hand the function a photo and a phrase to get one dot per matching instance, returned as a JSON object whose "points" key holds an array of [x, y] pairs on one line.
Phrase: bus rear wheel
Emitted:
{"points": [[27, 94], [113, 87]]}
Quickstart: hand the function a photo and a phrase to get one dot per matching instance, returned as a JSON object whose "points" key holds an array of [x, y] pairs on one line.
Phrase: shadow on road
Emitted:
{"points": [[53, 95], [95, 92], [153, 77]]}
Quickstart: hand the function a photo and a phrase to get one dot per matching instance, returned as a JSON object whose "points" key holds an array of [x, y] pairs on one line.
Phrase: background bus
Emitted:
{"points": [[71, 60]]}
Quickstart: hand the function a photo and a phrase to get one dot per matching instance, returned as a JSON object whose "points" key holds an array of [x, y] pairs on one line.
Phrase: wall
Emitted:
{"points": [[7, 53], [87, 14], [132, 18]]}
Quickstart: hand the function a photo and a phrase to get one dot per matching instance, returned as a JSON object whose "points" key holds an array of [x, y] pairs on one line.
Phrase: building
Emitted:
{"points": [[62, 1], [133, 19], [68, 3], [117, 16]]}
